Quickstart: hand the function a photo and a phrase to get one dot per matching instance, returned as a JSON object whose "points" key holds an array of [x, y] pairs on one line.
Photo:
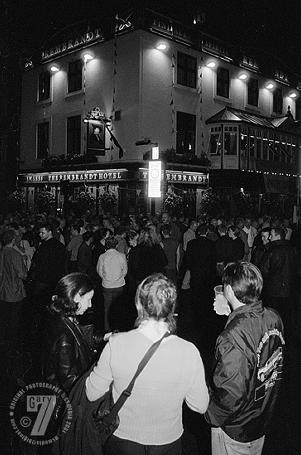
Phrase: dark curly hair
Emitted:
{"points": [[156, 298], [62, 301]]}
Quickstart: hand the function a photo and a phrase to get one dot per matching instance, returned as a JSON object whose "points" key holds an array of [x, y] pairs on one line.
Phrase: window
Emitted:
{"points": [[230, 140], [75, 76], [222, 82], [186, 70], [185, 133], [253, 92], [44, 86], [74, 135], [43, 140], [277, 101]]}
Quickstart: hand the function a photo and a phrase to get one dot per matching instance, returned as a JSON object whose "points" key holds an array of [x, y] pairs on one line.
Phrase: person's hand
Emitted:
{"points": [[221, 306]]}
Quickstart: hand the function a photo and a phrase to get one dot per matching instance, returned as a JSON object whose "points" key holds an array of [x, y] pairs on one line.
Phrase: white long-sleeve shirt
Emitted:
{"points": [[152, 415], [112, 268]]}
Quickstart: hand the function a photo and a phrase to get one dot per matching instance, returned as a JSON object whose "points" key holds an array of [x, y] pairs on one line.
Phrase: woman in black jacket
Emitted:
{"points": [[67, 355]]}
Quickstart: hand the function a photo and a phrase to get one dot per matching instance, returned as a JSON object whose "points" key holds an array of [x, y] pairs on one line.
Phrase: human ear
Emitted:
{"points": [[228, 292], [77, 297]]}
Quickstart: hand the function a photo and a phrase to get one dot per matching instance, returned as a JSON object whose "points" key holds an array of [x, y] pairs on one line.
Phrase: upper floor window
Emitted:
{"points": [[44, 85], [277, 101], [186, 70], [74, 135], [222, 82], [75, 76], [186, 133], [253, 91], [42, 140]]}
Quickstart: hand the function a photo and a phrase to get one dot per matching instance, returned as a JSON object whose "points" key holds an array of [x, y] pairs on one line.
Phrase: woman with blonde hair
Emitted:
{"points": [[151, 417]]}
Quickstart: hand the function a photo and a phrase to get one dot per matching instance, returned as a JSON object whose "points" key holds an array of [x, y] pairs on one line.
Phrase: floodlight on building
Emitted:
{"points": [[292, 94], [243, 76], [211, 64], [161, 46], [270, 85], [54, 68], [88, 57]]}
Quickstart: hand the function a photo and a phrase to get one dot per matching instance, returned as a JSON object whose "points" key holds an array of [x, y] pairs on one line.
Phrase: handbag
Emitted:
{"points": [[106, 416]]}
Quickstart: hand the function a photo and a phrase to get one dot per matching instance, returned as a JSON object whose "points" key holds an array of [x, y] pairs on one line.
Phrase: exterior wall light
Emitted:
{"points": [[243, 76], [54, 68], [292, 95], [161, 46], [88, 57], [211, 64], [269, 85]]}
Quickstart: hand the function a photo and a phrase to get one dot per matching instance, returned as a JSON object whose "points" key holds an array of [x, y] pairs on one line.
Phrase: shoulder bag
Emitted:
{"points": [[106, 416]]}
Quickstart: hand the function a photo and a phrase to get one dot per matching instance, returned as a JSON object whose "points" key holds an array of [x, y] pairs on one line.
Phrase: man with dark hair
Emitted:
{"points": [[200, 260], [278, 268], [48, 263], [248, 366], [261, 246]]}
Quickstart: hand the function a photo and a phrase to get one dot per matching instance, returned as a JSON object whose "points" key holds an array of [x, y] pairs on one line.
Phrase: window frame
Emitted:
{"points": [[252, 92], [186, 117], [278, 101], [77, 75], [40, 156], [223, 83], [73, 131], [187, 72], [44, 98]]}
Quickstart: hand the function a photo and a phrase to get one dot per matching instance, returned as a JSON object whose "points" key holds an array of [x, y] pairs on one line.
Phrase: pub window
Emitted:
{"points": [[265, 145], [42, 140], [253, 91], [222, 82], [75, 75], [185, 133], [258, 147], [277, 101], [74, 135], [44, 85], [230, 140], [186, 70]]}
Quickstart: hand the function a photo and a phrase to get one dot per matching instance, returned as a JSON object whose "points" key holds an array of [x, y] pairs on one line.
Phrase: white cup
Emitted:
{"points": [[220, 305]]}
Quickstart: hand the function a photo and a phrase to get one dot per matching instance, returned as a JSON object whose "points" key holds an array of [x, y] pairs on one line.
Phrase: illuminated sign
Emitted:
{"points": [[71, 44], [180, 177], [154, 178], [75, 177]]}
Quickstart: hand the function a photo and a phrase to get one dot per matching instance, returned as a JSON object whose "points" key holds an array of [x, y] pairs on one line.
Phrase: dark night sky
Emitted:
{"points": [[273, 25]]}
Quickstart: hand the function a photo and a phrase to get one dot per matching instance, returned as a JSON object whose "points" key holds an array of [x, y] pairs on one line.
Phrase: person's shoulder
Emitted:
{"points": [[184, 346]]}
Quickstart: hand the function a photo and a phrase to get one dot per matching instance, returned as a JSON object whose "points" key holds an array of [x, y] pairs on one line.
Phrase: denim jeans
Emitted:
{"points": [[110, 296], [222, 444], [117, 446]]}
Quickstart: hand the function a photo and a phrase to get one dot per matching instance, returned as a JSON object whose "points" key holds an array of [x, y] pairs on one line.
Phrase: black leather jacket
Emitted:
{"points": [[278, 268], [247, 372], [66, 353]]}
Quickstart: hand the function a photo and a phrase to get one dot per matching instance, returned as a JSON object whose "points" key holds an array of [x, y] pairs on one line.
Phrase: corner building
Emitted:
{"points": [[221, 117]]}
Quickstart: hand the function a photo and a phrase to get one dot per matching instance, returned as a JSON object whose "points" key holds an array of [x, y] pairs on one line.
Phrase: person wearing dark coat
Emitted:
{"points": [[201, 262], [224, 249], [261, 246], [147, 257], [238, 246], [278, 268], [67, 355]]}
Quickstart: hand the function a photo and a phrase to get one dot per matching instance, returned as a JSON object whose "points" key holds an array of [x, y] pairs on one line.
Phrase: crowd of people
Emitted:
{"points": [[148, 272]]}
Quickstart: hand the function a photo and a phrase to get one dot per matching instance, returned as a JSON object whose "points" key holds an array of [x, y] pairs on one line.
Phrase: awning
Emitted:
{"points": [[229, 114]]}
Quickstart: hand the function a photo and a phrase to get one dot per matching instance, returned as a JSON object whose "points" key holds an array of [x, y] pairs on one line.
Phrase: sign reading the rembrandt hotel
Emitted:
{"points": [[78, 176], [83, 39]]}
